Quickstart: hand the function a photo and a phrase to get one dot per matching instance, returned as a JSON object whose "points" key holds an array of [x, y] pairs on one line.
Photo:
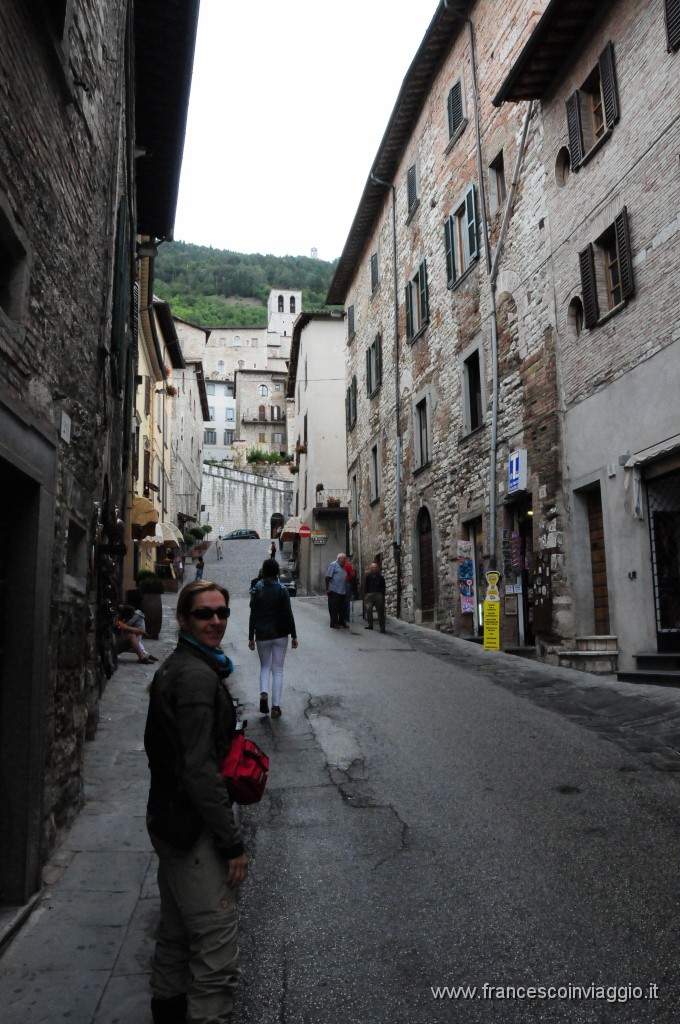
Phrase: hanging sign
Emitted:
{"points": [[517, 471]]}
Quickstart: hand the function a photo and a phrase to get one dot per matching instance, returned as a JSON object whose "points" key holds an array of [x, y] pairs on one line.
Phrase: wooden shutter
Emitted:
{"points": [[448, 245], [471, 215], [455, 108], [673, 23], [369, 375], [347, 409], [147, 472], [422, 284], [575, 130], [608, 81], [624, 254], [411, 187], [591, 309], [374, 271], [354, 399], [409, 312], [147, 395], [350, 321], [121, 295], [378, 359]]}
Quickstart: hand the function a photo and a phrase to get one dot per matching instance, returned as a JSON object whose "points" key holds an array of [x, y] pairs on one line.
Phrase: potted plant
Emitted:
{"points": [[319, 495], [170, 390], [294, 468], [333, 502], [151, 587]]}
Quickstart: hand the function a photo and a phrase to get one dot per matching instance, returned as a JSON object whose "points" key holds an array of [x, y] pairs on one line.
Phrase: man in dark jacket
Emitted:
{"points": [[374, 596], [190, 724]]}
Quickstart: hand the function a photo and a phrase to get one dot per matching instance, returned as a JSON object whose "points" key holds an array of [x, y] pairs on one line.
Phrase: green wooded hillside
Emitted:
{"points": [[208, 286]]}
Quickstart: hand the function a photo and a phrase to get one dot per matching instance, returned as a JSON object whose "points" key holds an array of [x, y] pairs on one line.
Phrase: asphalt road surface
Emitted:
{"points": [[426, 829]]}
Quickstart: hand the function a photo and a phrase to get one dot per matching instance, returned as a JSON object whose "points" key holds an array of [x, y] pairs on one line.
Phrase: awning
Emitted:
{"points": [[656, 451], [671, 444], [291, 529], [165, 534], [143, 518]]}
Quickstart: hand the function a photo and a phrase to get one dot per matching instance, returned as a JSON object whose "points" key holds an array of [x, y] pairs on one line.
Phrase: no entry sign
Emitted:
{"points": [[305, 531]]}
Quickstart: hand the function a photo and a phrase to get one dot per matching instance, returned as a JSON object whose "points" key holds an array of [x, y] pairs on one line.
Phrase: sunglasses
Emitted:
{"points": [[208, 613]]}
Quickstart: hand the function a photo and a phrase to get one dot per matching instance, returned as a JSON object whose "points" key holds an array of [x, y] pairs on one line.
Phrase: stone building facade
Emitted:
{"points": [[468, 372], [424, 412], [72, 201], [316, 385], [609, 155]]}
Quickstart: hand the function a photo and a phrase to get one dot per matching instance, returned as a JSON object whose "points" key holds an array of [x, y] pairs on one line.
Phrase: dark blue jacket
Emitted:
{"points": [[271, 615]]}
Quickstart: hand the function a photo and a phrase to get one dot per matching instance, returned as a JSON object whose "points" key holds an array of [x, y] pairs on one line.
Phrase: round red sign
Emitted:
{"points": [[305, 531]]}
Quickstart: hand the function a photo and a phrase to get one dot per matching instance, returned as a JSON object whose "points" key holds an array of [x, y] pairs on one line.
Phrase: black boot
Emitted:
{"points": [[169, 1011]]}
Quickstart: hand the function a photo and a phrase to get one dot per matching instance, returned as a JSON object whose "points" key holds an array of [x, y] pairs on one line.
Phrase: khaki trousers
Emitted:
{"points": [[196, 949]]}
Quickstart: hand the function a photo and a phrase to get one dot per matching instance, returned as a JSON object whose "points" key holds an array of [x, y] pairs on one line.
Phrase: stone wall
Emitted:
{"points": [[235, 500], [62, 151]]}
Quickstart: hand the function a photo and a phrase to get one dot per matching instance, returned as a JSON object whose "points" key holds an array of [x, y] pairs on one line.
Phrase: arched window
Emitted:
{"points": [[262, 413], [292, 304], [280, 303], [263, 390]]}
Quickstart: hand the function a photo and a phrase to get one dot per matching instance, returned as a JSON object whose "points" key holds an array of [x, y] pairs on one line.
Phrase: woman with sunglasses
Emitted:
{"points": [[201, 858], [271, 623]]}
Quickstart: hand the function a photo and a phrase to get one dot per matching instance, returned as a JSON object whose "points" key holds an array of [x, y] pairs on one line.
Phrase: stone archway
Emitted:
{"points": [[426, 565]]}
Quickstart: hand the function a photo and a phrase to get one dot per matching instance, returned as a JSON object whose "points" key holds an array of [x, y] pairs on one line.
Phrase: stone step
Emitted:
{"points": [[658, 661], [597, 643], [650, 678], [595, 662]]}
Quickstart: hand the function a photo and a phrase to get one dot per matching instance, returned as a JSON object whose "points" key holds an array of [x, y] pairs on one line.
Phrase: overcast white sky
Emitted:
{"points": [[289, 103]]}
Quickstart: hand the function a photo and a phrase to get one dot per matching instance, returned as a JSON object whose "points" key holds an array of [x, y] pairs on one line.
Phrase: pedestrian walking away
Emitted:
{"points": [[374, 596], [218, 548], [201, 858], [200, 566], [336, 591], [271, 623], [272, 550]]}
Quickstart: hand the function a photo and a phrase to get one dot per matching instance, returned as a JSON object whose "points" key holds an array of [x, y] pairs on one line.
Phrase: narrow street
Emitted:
{"points": [[424, 826]]}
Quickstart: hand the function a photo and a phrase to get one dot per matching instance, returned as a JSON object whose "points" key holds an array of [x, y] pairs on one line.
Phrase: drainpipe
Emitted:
{"points": [[397, 400]]}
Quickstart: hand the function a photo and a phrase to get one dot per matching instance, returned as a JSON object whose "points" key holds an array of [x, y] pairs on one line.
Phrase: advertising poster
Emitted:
{"points": [[466, 578]]}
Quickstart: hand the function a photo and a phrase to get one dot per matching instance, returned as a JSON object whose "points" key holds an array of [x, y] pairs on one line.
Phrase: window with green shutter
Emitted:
{"points": [[454, 108], [374, 366], [417, 302], [460, 237]]}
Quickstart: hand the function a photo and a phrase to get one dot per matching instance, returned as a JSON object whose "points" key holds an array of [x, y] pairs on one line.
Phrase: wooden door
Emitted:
{"points": [[598, 562], [426, 565]]}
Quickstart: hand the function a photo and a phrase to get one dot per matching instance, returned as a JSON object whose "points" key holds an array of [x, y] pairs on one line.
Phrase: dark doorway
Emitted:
{"points": [[426, 560], [21, 709], [598, 562], [663, 501]]}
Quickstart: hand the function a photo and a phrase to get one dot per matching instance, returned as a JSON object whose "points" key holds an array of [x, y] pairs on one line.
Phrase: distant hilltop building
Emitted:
{"points": [[315, 253]]}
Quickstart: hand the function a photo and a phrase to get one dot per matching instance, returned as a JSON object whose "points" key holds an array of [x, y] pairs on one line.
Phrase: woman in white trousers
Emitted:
{"points": [[271, 623]]}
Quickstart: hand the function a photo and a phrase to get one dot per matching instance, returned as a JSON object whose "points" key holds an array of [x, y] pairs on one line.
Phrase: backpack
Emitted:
{"points": [[245, 770]]}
